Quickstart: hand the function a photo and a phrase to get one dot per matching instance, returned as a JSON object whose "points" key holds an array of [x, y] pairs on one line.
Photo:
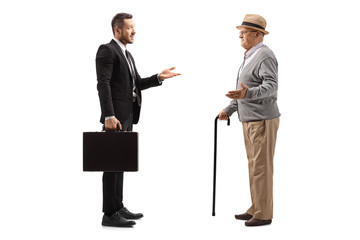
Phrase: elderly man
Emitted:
{"points": [[255, 102]]}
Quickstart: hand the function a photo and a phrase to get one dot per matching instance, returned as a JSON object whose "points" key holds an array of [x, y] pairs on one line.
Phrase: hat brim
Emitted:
{"points": [[255, 28]]}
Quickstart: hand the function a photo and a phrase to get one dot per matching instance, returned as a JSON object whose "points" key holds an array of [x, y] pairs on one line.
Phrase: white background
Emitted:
{"points": [[48, 98]]}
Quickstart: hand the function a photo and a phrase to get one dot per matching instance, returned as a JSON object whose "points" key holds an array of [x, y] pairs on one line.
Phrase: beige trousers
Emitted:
{"points": [[260, 139]]}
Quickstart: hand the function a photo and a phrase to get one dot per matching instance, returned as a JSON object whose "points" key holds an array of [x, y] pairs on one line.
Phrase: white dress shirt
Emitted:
{"points": [[249, 55]]}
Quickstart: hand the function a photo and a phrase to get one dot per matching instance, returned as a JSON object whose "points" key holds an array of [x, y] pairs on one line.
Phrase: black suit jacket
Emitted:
{"points": [[115, 84]]}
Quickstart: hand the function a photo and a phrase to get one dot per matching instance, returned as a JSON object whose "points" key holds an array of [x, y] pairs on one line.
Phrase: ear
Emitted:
{"points": [[118, 30]]}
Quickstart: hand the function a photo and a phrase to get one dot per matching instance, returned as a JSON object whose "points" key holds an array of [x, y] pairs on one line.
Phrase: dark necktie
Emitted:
{"points": [[130, 64], [132, 71]]}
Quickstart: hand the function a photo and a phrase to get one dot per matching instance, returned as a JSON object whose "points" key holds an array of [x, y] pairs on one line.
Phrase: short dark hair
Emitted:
{"points": [[118, 20]]}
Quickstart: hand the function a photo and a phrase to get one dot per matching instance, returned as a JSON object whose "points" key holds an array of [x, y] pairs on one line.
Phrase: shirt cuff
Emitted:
{"points": [[158, 77], [109, 117]]}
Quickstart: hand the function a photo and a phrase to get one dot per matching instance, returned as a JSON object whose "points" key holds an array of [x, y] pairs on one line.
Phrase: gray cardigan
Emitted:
{"points": [[260, 76]]}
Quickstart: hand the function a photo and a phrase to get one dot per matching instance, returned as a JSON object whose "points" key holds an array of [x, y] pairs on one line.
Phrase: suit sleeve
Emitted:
{"points": [[145, 83], [104, 69]]}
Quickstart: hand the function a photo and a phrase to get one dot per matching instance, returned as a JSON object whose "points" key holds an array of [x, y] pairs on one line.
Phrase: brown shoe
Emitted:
{"points": [[244, 216], [257, 222]]}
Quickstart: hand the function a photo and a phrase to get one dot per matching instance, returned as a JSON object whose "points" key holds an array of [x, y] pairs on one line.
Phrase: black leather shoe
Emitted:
{"points": [[257, 222], [116, 220], [244, 216], [129, 215]]}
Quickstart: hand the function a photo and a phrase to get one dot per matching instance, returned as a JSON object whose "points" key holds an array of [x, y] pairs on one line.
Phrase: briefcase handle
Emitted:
{"points": [[105, 130]]}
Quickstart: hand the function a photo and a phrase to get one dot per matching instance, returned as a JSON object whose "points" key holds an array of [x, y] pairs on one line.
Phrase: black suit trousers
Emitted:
{"points": [[113, 182]]}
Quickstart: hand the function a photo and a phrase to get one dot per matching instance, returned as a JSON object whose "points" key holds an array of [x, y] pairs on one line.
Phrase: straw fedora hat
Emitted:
{"points": [[254, 21]]}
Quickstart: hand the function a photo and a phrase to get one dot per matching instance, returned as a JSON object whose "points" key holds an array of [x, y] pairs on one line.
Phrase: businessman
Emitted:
{"points": [[119, 87], [255, 101]]}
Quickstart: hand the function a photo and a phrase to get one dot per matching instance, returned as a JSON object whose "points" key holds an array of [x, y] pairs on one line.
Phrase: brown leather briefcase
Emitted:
{"points": [[110, 151]]}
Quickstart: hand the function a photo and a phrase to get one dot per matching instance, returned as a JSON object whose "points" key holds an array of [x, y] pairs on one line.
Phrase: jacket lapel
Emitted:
{"points": [[117, 47]]}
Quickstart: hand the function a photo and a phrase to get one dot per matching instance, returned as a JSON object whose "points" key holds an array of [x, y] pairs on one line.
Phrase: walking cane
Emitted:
{"points": [[215, 146]]}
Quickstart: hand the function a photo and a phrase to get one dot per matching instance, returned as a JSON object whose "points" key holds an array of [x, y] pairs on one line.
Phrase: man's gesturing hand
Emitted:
{"points": [[165, 74], [112, 123], [238, 94]]}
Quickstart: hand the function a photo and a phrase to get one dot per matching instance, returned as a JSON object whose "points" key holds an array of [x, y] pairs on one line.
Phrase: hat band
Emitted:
{"points": [[252, 25]]}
